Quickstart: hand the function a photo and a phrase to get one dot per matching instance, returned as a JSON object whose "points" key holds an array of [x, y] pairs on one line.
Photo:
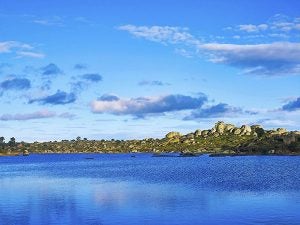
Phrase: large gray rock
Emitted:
{"points": [[190, 136], [229, 128], [281, 130], [220, 127], [197, 133], [245, 129], [212, 131], [237, 131], [173, 134], [204, 132]]}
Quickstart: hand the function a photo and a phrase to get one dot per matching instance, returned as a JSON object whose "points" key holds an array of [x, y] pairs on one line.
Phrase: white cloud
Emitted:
{"points": [[283, 23], [143, 106], [52, 21], [262, 26], [8, 46], [163, 34], [262, 59], [30, 54], [273, 58], [289, 51], [248, 28], [41, 114], [284, 26], [28, 116], [253, 28], [20, 49]]}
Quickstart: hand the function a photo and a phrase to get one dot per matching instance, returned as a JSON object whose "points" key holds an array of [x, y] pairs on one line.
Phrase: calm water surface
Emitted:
{"points": [[119, 189]]}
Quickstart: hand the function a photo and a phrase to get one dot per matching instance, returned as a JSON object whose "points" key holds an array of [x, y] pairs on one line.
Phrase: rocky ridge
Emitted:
{"points": [[223, 138]]}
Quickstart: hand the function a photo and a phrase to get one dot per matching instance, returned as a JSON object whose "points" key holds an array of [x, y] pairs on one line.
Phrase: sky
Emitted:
{"points": [[125, 69]]}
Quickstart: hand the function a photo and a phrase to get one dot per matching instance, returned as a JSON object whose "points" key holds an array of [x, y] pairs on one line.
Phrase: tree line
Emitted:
{"points": [[11, 143]]}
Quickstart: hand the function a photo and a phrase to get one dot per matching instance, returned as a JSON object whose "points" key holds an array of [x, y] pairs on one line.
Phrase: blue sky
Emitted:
{"points": [[135, 69]]}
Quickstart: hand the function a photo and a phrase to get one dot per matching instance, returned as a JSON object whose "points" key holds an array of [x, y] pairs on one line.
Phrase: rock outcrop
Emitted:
{"points": [[173, 134], [237, 131], [220, 127], [197, 133], [279, 131], [245, 130]]}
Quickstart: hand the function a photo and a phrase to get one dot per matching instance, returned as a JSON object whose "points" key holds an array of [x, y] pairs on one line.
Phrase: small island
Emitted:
{"points": [[221, 140]]}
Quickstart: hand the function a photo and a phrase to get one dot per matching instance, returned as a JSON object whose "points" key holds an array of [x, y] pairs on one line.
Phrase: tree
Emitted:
{"points": [[2, 143], [12, 142]]}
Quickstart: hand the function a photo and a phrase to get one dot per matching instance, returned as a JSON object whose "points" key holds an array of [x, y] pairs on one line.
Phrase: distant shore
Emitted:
{"points": [[221, 140], [155, 154], [10, 154]]}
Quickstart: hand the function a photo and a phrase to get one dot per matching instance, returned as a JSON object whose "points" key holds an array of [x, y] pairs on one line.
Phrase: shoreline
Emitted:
{"points": [[154, 154], [10, 154], [221, 140]]}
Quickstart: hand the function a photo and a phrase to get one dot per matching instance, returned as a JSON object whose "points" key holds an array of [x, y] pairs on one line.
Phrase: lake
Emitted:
{"points": [[120, 189]]}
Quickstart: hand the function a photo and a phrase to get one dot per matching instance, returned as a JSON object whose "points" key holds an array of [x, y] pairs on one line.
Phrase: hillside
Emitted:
{"points": [[221, 139]]}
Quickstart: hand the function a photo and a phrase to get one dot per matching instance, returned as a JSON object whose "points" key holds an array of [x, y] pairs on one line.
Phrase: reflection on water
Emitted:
{"points": [[118, 189]]}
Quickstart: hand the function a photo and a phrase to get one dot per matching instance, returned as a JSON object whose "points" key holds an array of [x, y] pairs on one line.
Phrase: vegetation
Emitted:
{"points": [[222, 139]]}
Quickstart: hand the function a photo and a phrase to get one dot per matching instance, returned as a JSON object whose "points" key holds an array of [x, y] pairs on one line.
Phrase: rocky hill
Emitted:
{"points": [[222, 139]]}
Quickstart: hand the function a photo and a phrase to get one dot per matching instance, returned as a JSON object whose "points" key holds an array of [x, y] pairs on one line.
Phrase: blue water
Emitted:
{"points": [[119, 189]]}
